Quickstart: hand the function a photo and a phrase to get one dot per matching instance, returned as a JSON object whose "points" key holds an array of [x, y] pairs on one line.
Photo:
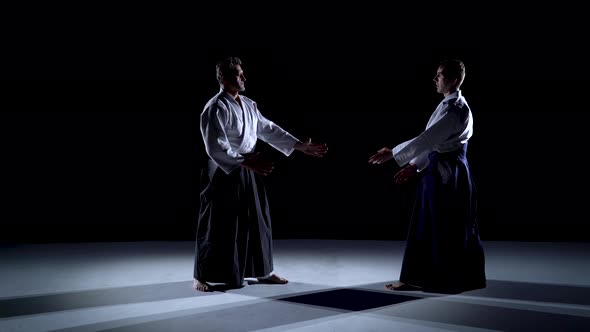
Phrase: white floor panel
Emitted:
{"points": [[335, 285]]}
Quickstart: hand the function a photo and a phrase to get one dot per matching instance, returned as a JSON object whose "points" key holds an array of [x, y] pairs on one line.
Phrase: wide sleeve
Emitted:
{"points": [[274, 135], [419, 147], [214, 121]]}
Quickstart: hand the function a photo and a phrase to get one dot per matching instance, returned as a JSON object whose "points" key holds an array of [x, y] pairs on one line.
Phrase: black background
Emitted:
{"points": [[100, 116]]}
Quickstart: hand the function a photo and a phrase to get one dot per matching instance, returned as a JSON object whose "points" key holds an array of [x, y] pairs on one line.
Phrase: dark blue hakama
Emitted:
{"points": [[443, 251]]}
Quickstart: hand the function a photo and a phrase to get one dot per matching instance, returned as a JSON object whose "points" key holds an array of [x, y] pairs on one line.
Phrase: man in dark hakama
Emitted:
{"points": [[234, 231], [443, 251]]}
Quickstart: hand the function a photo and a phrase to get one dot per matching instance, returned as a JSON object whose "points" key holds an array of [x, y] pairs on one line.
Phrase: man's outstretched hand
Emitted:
{"points": [[381, 156], [312, 149], [258, 163], [405, 174]]}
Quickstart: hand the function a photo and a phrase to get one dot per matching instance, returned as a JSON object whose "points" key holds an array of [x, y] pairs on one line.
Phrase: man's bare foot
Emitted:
{"points": [[273, 279], [400, 286], [200, 286]]}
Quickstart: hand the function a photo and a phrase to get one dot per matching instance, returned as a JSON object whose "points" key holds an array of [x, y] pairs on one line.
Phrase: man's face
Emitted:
{"points": [[236, 81], [443, 84]]}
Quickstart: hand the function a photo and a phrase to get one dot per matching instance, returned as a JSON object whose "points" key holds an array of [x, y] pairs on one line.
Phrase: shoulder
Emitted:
{"points": [[217, 102], [458, 109], [456, 104]]}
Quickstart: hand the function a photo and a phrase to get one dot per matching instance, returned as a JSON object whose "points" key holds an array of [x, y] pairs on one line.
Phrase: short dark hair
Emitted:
{"points": [[453, 68], [225, 66]]}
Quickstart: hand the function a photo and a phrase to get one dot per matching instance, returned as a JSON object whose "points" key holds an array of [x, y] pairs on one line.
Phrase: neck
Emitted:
{"points": [[233, 93], [450, 92]]}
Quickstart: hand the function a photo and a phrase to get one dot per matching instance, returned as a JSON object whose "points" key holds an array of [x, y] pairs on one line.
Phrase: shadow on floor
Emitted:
{"points": [[301, 303]]}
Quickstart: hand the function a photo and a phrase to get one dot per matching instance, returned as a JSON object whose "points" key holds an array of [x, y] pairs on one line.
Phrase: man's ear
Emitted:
{"points": [[223, 81]]}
